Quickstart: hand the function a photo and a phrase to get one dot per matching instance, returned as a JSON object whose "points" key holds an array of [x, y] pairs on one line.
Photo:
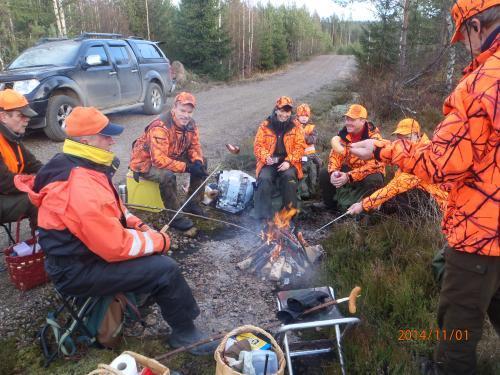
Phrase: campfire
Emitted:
{"points": [[282, 255]]}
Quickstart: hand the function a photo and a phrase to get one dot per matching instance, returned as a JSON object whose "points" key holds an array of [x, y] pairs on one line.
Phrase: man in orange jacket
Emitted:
{"points": [[93, 244], [402, 183], [464, 152], [348, 178], [171, 145], [15, 158], [278, 147]]}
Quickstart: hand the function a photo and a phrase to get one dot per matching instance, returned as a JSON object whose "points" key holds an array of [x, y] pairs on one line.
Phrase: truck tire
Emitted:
{"points": [[59, 107], [154, 100]]}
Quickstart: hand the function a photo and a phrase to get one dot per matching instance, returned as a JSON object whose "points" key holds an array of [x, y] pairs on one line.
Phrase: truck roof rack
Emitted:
{"points": [[135, 37], [48, 39], [99, 35]]}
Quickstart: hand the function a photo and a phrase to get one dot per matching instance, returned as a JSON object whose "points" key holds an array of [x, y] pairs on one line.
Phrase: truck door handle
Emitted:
{"points": [[134, 71], [112, 73]]}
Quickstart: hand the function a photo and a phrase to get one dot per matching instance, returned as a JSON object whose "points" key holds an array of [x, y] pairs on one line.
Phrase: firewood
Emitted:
{"points": [[276, 269], [314, 252]]}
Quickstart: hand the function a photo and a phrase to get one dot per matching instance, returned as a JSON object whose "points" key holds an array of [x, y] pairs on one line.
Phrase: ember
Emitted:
{"points": [[282, 255]]}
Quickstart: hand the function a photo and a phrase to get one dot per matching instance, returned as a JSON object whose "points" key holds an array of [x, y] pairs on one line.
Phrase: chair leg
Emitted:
{"points": [[287, 354], [8, 230], [339, 348]]}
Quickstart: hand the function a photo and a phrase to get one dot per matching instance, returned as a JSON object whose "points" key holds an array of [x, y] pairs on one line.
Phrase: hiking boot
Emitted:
{"points": [[185, 336], [194, 208], [181, 223]]}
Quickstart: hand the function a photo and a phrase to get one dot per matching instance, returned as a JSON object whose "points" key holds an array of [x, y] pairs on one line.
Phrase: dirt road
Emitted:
{"points": [[226, 113]]}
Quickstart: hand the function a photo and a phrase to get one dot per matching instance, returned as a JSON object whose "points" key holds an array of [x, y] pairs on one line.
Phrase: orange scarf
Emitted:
{"points": [[9, 156]]}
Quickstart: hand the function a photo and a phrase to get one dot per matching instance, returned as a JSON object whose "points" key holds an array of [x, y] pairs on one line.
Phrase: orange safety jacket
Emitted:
{"points": [[79, 211], [403, 182], [265, 145], [311, 137], [13, 161], [358, 169], [463, 152], [166, 145]]}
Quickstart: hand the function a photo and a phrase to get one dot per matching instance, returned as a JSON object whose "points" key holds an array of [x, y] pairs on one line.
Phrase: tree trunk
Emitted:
{"points": [[450, 65], [243, 37], [403, 37], [147, 19], [250, 40], [58, 18]]}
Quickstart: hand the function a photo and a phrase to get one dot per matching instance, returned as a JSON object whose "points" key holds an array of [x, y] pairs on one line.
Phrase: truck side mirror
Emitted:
{"points": [[92, 60]]}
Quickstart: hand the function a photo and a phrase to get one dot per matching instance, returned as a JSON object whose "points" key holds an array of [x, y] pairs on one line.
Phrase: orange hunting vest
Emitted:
{"points": [[9, 156]]}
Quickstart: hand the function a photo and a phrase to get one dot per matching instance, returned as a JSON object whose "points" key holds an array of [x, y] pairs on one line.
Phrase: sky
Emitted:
{"points": [[360, 11]]}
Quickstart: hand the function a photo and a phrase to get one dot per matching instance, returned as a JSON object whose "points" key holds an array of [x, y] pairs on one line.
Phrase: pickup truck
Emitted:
{"points": [[106, 71]]}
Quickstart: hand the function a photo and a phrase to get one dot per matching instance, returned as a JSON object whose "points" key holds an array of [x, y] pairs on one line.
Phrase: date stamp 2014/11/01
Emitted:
{"points": [[433, 334]]}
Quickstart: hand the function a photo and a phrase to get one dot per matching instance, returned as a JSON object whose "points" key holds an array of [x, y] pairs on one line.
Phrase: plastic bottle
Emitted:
{"points": [[259, 362], [125, 363]]}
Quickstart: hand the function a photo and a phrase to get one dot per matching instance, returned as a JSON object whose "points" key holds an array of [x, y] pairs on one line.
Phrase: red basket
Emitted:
{"points": [[28, 271]]}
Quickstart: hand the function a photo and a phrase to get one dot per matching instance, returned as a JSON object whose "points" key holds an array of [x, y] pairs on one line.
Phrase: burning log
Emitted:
{"points": [[282, 254]]}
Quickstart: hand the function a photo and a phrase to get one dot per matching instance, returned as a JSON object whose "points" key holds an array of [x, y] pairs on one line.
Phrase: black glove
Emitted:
{"points": [[136, 176], [197, 169]]}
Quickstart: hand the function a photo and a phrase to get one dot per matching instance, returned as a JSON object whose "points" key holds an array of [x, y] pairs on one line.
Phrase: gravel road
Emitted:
{"points": [[225, 114]]}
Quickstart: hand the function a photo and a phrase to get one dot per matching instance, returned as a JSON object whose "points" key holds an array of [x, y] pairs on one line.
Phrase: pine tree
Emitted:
{"points": [[200, 43]]}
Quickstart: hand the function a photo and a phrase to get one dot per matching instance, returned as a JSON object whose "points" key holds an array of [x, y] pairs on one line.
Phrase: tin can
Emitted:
{"points": [[122, 191]]}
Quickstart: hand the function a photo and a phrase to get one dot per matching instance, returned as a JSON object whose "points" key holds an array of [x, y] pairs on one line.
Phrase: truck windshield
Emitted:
{"points": [[46, 54]]}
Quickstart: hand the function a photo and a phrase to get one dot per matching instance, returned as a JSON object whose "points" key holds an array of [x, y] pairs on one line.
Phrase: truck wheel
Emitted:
{"points": [[58, 109], [154, 100]]}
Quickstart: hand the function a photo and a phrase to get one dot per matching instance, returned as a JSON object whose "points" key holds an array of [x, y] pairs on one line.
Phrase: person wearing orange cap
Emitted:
{"points": [[278, 147], [402, 183], [15, 158], [170, 145], [464, 152], [347, 178], [311, 163], [94, 246]]}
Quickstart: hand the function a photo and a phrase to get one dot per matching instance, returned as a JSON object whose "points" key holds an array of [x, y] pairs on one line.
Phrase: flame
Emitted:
{"points": [[274, 233]]}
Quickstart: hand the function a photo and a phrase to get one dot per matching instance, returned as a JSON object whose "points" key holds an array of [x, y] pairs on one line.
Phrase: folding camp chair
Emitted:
{"points": [[330, 316], [66, 323]]}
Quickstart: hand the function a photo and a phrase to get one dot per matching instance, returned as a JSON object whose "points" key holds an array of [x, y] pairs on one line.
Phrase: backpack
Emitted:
{"points": [[92, 320], [106, 320]]}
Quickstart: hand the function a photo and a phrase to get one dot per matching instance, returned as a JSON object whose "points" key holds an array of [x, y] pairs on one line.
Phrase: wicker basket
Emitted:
{"points": [[28, 271], [156, 367], [223, 369]]}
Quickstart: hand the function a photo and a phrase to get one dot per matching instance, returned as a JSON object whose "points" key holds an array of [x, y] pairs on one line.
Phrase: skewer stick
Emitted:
{"points": [[355, 293]]}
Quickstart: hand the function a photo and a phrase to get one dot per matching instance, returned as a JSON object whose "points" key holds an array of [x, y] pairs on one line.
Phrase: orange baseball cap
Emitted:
{"points": [[90, 121], [303, 110], [11, 100], [284, 101], [465, 9], [185, 98], [407, 126], [357, 111]]}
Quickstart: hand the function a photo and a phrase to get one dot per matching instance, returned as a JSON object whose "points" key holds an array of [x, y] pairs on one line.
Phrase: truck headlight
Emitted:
{"points": [[27, 86]]}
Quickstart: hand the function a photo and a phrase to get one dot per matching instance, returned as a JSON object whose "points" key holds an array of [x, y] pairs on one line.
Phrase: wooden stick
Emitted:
{"points": [[352, 301]]}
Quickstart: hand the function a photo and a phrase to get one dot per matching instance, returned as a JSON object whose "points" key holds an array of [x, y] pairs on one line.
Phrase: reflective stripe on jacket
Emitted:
{"points": [[80, 212]]}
